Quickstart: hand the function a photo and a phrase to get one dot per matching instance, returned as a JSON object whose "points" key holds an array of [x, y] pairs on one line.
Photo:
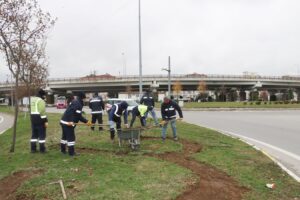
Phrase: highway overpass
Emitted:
{"points": [[189, 82]]}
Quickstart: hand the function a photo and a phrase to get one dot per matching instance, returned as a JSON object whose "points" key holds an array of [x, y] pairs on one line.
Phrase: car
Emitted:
{"points": [[131, 104], [61, 102]]}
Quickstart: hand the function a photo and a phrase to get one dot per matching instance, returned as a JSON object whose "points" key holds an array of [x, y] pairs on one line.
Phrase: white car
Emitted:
{"points": [[131, 104]]}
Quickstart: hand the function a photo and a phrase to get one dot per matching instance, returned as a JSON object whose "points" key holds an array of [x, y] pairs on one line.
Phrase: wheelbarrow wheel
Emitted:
{"points": [[135, 144]]}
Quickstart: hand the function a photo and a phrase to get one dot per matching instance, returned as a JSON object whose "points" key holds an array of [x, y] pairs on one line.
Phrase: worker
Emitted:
{"points": [[115, 114], [39, 121], [97, 106], [168, 113], [148, 100], [70, 118], [139, 111]]}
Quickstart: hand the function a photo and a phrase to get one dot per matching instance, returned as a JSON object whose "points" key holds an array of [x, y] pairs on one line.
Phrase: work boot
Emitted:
{"points": [[33, 147], [63, 148], [112, 135], [76, 154], [42, 148], [175, 138], [71, 150]]}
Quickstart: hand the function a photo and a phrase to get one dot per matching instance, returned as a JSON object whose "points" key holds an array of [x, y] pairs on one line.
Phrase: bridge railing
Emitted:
{"points": [[177, 76], [174, 76]]}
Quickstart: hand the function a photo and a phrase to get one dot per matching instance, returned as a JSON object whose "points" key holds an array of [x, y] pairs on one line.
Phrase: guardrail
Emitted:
{"points": [[174, 76]]}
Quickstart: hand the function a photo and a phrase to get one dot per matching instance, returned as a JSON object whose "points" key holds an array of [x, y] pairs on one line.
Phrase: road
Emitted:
{"points": [[6, 122], [275, 132]]}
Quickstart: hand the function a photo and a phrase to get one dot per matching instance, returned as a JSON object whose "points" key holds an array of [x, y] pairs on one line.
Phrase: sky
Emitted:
{"points": [[201, 36]]}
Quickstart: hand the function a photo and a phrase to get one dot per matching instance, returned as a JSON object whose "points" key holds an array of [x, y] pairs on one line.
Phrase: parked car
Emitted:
{"points": [[131, 104], [61, 102]]}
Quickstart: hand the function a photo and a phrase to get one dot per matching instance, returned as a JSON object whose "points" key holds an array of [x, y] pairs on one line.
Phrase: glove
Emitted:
{"points": [[70, 123], [89, 123], [46, 124], [163, 122]]}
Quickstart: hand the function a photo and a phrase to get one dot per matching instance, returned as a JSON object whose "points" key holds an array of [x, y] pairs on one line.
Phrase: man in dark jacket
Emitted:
{"points": [[168, 113], [148, 100], [139, 111], [115, 113], [97, 106], [39, 121], [68, 122]]}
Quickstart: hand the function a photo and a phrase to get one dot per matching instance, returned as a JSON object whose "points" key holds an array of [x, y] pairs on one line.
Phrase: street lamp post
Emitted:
{"points": [[169, 75], [140, 52], [124, 65]]}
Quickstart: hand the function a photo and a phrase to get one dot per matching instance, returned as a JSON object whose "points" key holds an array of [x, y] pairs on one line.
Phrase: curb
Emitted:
{"points": [[284, 168], [239, 109]]}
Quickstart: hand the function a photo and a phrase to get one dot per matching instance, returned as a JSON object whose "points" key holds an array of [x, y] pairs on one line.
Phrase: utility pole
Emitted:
{"points": [[124, 64], [169, 75], [140, 52]]}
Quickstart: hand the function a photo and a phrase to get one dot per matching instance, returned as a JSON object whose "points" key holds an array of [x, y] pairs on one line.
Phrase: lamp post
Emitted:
{"points": [[140, 52], [124, 64], [169, 75]]}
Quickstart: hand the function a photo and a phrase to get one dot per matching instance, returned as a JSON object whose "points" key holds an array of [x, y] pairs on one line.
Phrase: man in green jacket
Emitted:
{"points": [[139, 111], [39, 121]]}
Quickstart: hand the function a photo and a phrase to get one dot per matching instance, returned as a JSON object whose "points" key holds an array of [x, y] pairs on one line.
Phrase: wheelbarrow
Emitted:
{"points": [[132, 136]]}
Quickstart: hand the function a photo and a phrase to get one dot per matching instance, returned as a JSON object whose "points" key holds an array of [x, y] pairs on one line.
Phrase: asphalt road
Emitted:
{"points": [[6, 122], [275, 132]]}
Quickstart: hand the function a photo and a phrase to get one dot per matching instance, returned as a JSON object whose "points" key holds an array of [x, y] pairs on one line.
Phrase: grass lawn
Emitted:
{"points": [[238, 105], [105, 171]]}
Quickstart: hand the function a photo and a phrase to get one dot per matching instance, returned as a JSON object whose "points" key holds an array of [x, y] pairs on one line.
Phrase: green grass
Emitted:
{"points": [[6, 109], [250, 167], [117, 173], [109, 172], [236, 105]]}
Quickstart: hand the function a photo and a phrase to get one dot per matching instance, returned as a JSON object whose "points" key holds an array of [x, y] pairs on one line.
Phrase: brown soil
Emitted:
{"points": [[10, 184], [212, 185]]}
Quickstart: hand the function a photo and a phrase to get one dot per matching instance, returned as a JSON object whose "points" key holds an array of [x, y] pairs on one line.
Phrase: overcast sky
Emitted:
{"points": [[203, 36]]}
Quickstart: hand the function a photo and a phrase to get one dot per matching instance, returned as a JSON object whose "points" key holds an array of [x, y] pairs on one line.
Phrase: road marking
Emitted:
{"points": [[292, 155], [246, 140]]}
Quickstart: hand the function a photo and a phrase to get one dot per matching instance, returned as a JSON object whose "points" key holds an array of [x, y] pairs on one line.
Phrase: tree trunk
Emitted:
{"points": [[12, 149]]}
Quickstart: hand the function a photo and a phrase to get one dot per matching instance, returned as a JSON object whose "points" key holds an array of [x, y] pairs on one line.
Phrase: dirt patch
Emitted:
{"points": [[212, 185], [10, 184]]}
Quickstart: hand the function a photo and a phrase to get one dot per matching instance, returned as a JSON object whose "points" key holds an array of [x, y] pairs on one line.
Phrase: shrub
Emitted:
{"points": [[258, 102], [245, 103]]}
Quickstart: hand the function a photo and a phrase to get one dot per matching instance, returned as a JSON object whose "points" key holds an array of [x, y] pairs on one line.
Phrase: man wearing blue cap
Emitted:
{"points": [[68, 122]]}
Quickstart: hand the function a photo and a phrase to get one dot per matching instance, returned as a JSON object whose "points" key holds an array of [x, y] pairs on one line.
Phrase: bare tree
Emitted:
{"points": [[128, 90], [264, 94], [34, 69], [202, 88], [23, 26], [177, 88]]}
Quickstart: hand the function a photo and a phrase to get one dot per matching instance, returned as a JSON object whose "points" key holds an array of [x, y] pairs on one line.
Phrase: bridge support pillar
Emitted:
{"points": [[247, 95]]}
